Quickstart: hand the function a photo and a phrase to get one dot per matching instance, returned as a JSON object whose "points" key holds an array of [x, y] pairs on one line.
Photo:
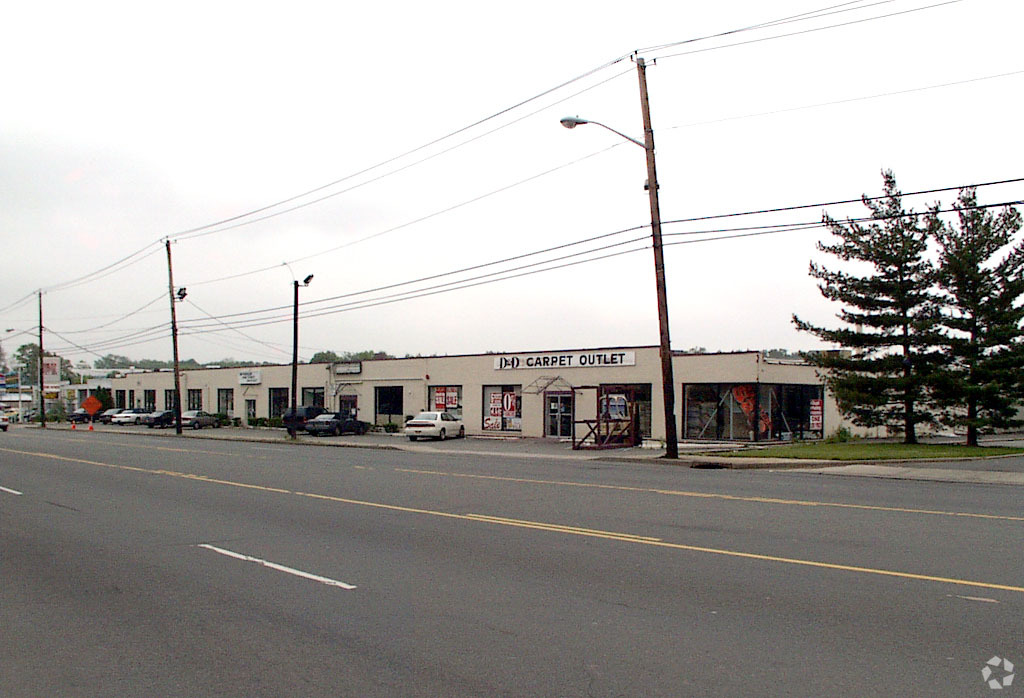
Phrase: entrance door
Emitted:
{"points": [[559, 416], [347, 405]]}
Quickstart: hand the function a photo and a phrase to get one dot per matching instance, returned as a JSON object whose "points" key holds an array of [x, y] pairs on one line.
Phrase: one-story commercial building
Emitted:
{"points": [[740, 396]]}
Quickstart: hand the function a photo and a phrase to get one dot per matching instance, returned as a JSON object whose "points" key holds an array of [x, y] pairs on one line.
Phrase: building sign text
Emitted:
{"points": [[583, 359]]}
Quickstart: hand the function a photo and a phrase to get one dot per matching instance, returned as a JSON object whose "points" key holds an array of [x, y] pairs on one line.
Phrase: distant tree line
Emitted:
{"points": [[932, 316]]}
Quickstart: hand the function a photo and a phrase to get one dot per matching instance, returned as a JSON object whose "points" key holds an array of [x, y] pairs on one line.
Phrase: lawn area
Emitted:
{"points": [[868, 450]]}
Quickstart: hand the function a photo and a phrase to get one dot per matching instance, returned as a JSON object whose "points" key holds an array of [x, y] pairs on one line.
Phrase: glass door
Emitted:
{"points": [[559, 415]]}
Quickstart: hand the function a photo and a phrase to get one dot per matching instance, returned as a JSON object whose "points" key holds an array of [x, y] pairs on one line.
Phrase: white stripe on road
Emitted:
{"points": [[279, 568], [8, 491]]}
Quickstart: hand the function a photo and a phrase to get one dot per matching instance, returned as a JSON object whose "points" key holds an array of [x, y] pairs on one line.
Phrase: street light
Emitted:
{"points": [[295, 354], [574, 121], [667, 381]]}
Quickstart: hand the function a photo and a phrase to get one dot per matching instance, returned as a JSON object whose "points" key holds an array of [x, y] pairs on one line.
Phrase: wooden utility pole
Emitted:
{"points": [[295, 364], [174, 342], [42, 392], [667, 381]]}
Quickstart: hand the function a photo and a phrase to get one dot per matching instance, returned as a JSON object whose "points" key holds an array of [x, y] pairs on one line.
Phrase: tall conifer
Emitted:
{"points": [[880, 377], [981, 281]]}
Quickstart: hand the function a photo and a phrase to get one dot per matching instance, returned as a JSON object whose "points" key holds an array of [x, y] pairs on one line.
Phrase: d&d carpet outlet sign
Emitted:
{"points": [[582, 359]]}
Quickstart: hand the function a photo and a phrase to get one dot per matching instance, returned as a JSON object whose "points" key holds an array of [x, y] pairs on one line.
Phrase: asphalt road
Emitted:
{"points": [[138, 566]]}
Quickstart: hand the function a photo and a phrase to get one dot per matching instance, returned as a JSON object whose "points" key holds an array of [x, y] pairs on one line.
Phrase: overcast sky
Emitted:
{"points": [[125, 123]]}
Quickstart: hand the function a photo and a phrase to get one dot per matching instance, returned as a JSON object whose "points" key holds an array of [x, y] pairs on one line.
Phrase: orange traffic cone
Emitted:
{"points": [[72, 426], [90, 427]]}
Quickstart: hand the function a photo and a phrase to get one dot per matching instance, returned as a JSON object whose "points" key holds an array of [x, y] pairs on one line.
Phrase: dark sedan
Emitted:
{"points": [[80, 416], [335, 423], [160, 418]]}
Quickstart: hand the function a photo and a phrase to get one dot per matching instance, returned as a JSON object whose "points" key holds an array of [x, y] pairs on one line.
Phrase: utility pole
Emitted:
{"points": [[295, 362], [292, 431], [42, 393], [667, 381], [174, 340]]}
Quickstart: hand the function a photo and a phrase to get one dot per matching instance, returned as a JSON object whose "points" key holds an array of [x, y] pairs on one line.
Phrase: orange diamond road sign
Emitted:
{"points": [[92, 405]]}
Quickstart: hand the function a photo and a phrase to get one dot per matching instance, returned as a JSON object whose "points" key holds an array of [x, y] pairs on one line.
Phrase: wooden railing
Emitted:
{"points": [[606, 433]]}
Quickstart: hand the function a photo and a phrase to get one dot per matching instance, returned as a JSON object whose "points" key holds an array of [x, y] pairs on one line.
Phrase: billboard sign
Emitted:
{"points": [[51, 371]]}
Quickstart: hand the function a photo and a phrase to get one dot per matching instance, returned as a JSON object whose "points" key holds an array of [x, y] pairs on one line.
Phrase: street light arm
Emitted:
{"points": [[574, 121]]}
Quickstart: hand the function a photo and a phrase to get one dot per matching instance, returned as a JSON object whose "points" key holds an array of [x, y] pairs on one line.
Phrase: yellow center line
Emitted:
{"points": [[711, 495], [543, 526]]}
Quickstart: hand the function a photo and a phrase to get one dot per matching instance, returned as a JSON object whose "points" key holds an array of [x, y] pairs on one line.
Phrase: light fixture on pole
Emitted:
{"points": [[295, 356], [667, 381]]}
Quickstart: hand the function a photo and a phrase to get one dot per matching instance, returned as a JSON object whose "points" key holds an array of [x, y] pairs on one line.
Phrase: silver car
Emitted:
{"points": [[197, 419]]}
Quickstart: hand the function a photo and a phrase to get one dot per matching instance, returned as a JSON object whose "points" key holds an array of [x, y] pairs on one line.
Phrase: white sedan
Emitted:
{"points": [[436, 425], [130, 416]]}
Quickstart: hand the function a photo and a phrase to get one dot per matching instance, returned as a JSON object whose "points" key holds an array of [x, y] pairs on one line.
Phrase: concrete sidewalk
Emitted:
{"points": [[996, 470]]}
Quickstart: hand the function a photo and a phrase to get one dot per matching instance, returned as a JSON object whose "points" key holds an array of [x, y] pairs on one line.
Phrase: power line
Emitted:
{"points": [[415, 221], [844, 201], [147, 334], [184, 234], [807, 31], [802, 17], [844, 101], [594, 238], [190, 236], [530, 269], [234, 329], [128, 261], [123, 317], [504, 275]]}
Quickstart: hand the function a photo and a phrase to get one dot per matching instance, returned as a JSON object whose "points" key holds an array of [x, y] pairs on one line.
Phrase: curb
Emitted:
{"points": [[889, 469]]}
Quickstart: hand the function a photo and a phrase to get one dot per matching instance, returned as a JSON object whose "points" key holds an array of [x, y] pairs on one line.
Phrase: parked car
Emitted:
{"points": [[437, 425], [335, 423], [197, 419], [5, 422], [80, 416], [160, 418], [297, 420], [105, 416], [132, 415]]}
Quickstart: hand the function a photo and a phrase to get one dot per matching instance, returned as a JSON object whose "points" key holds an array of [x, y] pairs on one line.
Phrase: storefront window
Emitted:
{"points": [[195, 398], [446, 398], [620, 401], [149, 399], [278, 401], [169, 399], [752, 412], [503, 408], [313, 397], [389, 404], [226, 401]]}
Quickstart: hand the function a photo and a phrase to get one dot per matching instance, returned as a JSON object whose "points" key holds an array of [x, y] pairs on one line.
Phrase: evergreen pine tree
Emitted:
{"points": [[981, 280], [881, 376]]}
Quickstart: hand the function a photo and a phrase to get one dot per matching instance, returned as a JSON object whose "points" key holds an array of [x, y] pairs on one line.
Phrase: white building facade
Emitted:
{"points": [[733, 396]]}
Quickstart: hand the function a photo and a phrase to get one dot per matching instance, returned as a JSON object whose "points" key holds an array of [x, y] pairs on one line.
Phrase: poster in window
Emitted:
{"points": [[452, 399], [816, 415], [439, 399], [495, 405]]}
